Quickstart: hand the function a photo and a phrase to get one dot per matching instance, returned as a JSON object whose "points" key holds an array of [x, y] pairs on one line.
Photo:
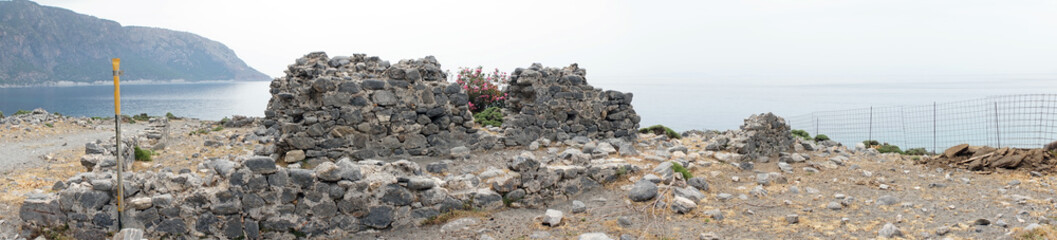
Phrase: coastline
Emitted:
{"points": [[123, 82]]}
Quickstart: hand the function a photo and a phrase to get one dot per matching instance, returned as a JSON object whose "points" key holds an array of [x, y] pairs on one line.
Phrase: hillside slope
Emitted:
{"points": [[41, 44]]}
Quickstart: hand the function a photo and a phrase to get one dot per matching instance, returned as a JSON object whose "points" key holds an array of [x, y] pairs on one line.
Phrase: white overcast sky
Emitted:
{"points": [[762, 41]]}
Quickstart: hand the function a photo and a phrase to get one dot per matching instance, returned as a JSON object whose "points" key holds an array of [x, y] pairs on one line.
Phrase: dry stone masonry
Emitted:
{"points": [[365, 107], [760, 138], [558, 104], [253, 198], [342, 114]]}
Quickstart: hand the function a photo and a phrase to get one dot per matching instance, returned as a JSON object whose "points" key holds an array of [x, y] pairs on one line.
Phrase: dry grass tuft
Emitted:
{"points": [[455, 214], [1045, 232]]}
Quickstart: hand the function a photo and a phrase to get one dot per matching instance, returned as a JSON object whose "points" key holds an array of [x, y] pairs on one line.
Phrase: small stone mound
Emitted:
{"points": [[985, 158], [762, 136]]}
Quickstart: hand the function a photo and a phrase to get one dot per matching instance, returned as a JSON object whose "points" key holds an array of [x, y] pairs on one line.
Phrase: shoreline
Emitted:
{"points": [[123, 82]]}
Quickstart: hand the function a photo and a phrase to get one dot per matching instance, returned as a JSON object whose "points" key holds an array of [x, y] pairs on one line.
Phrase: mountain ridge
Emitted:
{"points": [[43, 44]]}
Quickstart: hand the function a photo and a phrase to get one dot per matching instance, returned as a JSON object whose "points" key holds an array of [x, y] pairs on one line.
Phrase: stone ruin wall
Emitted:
{"points": [[558, 104], [253, 198], [341, 112], [364, 107]]}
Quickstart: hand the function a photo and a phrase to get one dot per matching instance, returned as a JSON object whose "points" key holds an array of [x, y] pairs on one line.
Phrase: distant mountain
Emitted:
{"points": [[41, 44]]}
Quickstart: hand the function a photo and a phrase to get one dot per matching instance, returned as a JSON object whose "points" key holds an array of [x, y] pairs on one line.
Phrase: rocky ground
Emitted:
{"points": [[834, 195], [43, 148], [829, 193]]}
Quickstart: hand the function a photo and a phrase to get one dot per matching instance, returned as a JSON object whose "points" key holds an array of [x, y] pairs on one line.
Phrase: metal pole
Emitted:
{"points": [[933, 127], [903, 123], [117, 127], [998, 134], [869, 134]]}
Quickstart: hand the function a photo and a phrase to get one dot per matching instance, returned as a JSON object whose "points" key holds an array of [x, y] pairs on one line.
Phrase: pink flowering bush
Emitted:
{"points": [[483, 89]]}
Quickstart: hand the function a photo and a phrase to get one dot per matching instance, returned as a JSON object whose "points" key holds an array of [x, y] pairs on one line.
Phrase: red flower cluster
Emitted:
{"points": [[483, 89]]}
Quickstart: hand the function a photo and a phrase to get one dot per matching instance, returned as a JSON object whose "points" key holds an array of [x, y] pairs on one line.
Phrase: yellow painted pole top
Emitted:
{"points": [[117, 89]]}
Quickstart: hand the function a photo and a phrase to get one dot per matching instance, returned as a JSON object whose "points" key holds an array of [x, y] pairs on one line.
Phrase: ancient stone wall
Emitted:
{"points": [[364, 107], [558, 104], [253, 198]]}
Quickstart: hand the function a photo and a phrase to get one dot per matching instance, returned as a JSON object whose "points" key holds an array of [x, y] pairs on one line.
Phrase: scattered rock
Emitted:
{"points": [[724, 196], [642, 191], [594, 236], [460, 224], [682, 205], [889, 230], [624, 221], [552, 218], [834, 206], [887, 200], [579, 207], [699, 183], [715, 214], [709, 236], [943, 230]]}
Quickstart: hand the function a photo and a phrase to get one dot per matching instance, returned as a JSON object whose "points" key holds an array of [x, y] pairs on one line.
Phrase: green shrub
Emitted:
{"points": [[141, 117], [870, 143], [218, 128], [493, 116], [224, 121], [917, 151], [1, 114], [821, 137], [661, 130], [143, 154], [622, 170], [49, 125], [20, 112], [889, 149], [170, 116], [801, 134], [57, 114], [680, 169]]}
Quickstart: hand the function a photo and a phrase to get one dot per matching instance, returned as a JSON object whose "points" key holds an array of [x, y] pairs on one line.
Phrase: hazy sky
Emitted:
{"points": [[756, 41]]}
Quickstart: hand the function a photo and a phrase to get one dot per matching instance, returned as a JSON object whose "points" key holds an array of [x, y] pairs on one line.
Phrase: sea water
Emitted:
{"points": [[679, 105]]}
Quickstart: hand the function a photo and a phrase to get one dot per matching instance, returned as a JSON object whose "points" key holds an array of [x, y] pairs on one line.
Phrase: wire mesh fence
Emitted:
{"points": [[1020, 121]]}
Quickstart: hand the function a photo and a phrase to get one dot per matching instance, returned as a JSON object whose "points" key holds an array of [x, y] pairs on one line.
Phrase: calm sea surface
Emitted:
{"points": [[211, 101], [679, 106]]}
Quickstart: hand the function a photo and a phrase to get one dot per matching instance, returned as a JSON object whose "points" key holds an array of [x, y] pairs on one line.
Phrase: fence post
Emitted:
{"points": [[903, 123], [816, 125], [998, 134], [934, 127], [869, 133]]}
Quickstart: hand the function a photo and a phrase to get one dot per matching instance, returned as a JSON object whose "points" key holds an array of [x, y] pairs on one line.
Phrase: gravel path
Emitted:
{"points": [[28, 153]]}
